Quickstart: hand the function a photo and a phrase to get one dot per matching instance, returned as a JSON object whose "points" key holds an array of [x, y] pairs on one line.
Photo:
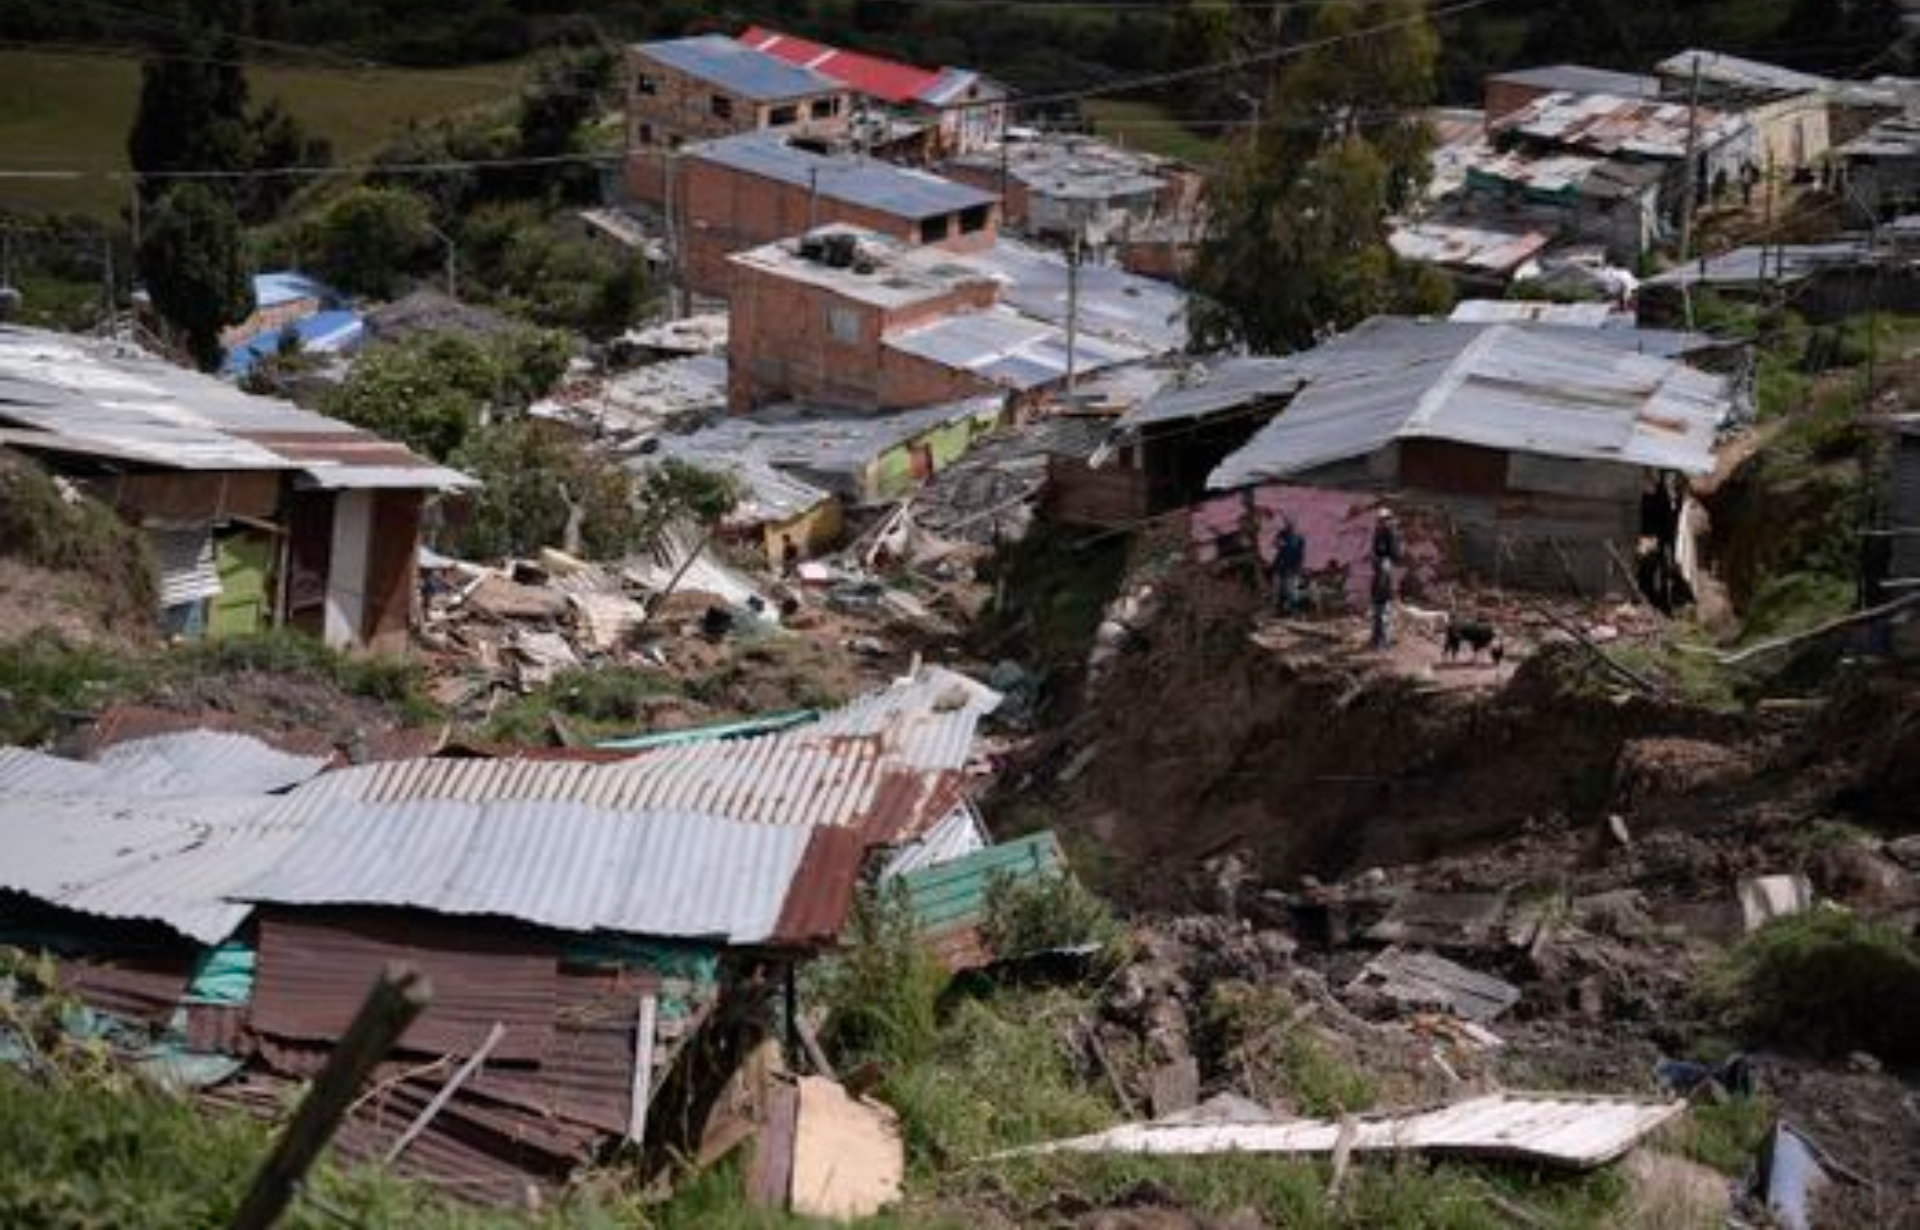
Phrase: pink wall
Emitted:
{"points": [[1338, 527]]}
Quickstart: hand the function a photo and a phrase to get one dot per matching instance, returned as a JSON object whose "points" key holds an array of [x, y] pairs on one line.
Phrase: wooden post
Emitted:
{"points": [[643, 1066], [399, 996]]}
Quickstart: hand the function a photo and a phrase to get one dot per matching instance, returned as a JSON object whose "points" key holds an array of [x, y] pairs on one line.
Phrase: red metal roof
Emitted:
{"points": [[887, 80]]}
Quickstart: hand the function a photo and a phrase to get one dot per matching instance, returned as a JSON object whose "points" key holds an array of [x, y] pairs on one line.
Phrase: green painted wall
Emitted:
{"points": [[244, 560]]}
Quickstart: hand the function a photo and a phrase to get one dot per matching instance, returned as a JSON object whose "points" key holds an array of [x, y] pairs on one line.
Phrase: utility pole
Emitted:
{"points": [[1073, 314], [1766, 232], [813, 197], [107, 288], [676, 304]]}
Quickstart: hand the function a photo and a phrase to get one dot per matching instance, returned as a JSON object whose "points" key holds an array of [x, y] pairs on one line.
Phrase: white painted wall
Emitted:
{"points": [[347, 573]]}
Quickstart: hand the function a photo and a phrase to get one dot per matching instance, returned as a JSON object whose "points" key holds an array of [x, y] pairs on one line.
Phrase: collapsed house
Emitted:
{"points": [[594, 924], [259, 514]]}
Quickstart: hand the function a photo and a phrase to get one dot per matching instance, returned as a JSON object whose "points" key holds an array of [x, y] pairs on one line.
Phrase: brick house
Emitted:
{"points": [[744, 191], [695, 89], [852, 319]]}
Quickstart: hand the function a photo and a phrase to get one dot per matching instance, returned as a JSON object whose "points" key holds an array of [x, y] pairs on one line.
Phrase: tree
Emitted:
{"points": [[370, 237], [1297, 244], [195, 115], [435, 393], [542, 487], [189, 258]]}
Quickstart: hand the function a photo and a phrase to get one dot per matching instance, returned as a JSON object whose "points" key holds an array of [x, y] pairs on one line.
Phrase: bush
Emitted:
{"points": [[370, 237], [542, 488], [1827, 982], [1048, 912], [604, 701], [997, 1075], [42, 678], [883, 992]]}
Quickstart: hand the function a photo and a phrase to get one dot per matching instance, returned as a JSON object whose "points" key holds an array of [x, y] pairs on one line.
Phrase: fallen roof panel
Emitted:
{"points": [[1573, 1131]]}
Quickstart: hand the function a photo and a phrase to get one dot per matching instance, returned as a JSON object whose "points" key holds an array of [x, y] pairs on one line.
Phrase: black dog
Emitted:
{"points": [[1476, 636]]}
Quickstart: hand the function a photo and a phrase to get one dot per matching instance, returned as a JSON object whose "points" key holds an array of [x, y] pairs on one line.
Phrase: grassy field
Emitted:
{"points": [[71, 112], [1151, 127]]}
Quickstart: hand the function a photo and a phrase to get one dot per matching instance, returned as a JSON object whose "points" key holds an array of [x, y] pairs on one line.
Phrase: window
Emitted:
{"points": [[780, 117], [646, 134], [824, 108], [974, 220], [644, 84], [933, 230], [722, 107], [843, 324]]}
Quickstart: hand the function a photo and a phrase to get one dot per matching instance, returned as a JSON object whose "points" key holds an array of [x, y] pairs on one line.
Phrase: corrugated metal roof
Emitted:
{"points": [[1574, 1131], [1113, 304], [1520, 311], [1466, 247], [738, 69], [1009, 349], [86, 396], [1579, 79], [850, 179], [887, 80], [1790, 262], [1216, 386], [170, 860], [832, 449], [572, 866], [204, 762], [286, 286], [1609, 124], [1557, 393], [1717, 69]]}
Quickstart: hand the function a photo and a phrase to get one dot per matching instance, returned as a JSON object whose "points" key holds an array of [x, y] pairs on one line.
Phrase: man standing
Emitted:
{"points": [[1386, 558], [1289, 563]]}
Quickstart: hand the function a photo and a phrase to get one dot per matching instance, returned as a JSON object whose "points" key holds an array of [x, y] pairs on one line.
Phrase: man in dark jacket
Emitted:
{"points": [[1386, 558]]}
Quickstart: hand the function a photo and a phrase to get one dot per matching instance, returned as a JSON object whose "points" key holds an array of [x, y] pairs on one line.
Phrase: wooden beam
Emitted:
{"points": [[643, 1065], [440, 1099]]}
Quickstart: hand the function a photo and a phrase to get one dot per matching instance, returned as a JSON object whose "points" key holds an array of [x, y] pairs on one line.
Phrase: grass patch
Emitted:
{"points": [[602, 702], [1724, 1135], [1826, 982], [72, 112], [1034, 915], [1151, 127], [45, 680], [1259, 1030], [107, 1151], [998, 1075], [41, 526]]}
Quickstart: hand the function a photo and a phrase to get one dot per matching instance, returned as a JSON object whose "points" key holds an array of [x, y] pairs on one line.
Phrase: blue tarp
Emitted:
{"points": [[332, 332]]}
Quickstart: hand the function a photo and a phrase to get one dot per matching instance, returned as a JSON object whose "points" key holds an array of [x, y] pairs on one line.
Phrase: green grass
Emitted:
{"points": [[61, 111], [1724, 1135], [1153, 128], [86, 1149], [1825, 982]]}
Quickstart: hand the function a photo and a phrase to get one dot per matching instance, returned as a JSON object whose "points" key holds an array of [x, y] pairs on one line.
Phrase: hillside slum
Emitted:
{"points": [[1453, 753]]}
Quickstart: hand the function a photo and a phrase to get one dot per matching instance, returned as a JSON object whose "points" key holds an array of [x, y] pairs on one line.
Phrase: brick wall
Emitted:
{"points": [[722, 211], [1506, 97], [795, 341]]}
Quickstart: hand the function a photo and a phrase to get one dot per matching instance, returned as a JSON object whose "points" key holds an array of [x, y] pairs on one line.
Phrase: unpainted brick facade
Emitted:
{"points": [[722, 211], [795, 341]]}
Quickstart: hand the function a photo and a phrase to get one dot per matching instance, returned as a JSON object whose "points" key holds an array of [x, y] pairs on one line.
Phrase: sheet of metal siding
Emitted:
{"points": [[956, 835], [1568, 1130], [183, 565], [571, 866], [316, 966], [955, 892], [24, 771], [205, 762]]}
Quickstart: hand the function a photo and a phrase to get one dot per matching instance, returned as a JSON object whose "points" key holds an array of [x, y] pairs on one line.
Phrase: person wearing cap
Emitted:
{"points": [[1386, 558]]}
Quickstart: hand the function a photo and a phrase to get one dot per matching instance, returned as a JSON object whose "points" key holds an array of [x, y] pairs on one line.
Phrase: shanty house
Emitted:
{"points": [[1788, 109], [585, 918], [1880, 171], [741, 192], [1507, 92], [1639, 130], [696, 89], [1066, 187], [962, 109], [259, 513], [1575, 197], [1547, 448]]}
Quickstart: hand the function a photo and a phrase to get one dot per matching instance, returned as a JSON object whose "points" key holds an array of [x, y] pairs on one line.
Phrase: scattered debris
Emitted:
{"points": [[1419, 980]]}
